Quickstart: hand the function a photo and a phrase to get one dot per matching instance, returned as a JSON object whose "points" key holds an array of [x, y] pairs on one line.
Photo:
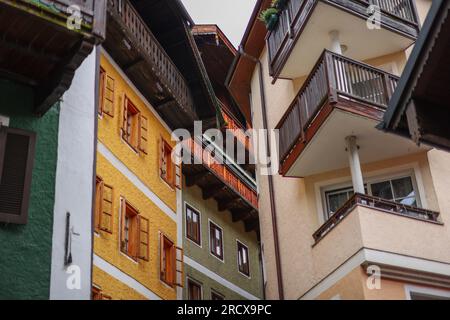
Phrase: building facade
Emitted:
{"points": [[146, 90], [347, 215], [46, 149]]}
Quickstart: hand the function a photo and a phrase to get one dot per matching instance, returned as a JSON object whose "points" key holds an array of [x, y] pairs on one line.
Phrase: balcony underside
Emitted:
{"points": [[311, 34], [213, 187], [38, 50], [323, 148]]}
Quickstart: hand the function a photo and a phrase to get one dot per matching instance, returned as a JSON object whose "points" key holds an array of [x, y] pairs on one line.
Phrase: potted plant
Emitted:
{"points": [[279, 4], [270, 17]]}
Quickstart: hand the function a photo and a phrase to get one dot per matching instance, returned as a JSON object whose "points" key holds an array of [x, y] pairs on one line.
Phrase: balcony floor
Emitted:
{"points": [[325, 150]]}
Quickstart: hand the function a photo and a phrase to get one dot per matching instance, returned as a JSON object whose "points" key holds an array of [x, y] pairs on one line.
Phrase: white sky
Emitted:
{"points": [[230, 15]]}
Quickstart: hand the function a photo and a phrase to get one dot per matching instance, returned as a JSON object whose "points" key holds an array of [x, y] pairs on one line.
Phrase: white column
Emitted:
{"points": [[335, 42], [355, 165]]}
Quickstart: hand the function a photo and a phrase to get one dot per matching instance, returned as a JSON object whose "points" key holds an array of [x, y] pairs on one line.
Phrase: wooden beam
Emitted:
{"points": [[251, 225], [241, 214], [213, 191], [228, 203], [193, 179]]}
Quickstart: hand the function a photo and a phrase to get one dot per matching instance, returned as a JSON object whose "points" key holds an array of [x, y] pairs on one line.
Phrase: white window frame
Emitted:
{"points": [[411, 169], [197, 283], [186, 204], [438, 293], [209, 241], [248, 258]]}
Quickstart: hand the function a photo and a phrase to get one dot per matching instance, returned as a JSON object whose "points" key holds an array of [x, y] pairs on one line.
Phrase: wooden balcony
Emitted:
{"points": [[340, 97], [304, 26], [42, 47], [379, 205], [219, 180], [133, 46]]}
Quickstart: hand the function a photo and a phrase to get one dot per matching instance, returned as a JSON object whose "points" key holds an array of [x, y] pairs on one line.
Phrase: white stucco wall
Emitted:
{"points": [[74, 183]]}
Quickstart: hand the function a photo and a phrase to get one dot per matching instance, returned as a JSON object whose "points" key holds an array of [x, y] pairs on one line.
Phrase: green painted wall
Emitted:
{"points": [[231, 232], [25, 251]]}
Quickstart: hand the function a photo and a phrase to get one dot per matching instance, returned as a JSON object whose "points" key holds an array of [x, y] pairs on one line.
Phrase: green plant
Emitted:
{"points": [[266, 15]]}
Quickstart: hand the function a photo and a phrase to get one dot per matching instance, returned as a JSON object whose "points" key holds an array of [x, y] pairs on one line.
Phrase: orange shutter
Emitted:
{"points": [[123, 206], [162, 266], [179, 267], [106, 211], [162, 159], [143, 136], [144, 239], [108, 100], [124, 125]]}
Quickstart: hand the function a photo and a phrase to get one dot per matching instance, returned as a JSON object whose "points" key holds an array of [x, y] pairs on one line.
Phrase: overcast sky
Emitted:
{"points": [[230, 15]]}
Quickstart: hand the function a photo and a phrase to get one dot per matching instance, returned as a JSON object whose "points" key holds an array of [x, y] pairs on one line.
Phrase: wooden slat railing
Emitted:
{"points": [[222, 171], [92, 12], [238, 130], [164, 67], [377, 204], [333, 77], [293, 17]]}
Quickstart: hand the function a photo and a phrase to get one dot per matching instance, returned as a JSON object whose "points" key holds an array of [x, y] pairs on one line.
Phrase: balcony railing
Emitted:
{"points": [[400, 13], [334, 77], [222, 171], [377, 204], [162, 65], [56, 11], [238, 129]]}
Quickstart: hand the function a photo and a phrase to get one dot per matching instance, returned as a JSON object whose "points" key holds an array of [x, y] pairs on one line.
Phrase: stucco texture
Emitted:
{"points": [[107, 245], [232, 231], [114, 288], [146, 167], [25, 254]]}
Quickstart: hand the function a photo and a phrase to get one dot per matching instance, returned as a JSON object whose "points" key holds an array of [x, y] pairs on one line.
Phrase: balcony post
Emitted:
{"points": [[335, 42], [355, 165]]}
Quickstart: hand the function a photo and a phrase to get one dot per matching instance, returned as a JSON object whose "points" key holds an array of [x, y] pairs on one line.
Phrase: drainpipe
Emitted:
{"points": [[270, 178]]}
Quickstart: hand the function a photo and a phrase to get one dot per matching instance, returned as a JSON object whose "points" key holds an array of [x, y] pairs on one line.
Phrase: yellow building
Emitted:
{"points": [[135, 222]]}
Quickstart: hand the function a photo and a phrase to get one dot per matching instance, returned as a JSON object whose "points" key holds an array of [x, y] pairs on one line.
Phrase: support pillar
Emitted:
{"points": [[355, 165]]}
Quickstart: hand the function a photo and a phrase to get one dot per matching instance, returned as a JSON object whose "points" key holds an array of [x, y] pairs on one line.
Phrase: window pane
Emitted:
{"points": [[382, 190], [337, 200], [403, 188], [408, 201]]}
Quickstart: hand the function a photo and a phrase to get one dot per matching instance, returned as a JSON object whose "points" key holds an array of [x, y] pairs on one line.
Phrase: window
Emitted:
{"points": [[193, 225], [216, 240], [242, 256], [17, 148], [194, 290], [134, 127], [97, 294], [103, 218], [169, 171], [134, 232], [171, 262], [106, 94], [216, 296], [401, 190]]}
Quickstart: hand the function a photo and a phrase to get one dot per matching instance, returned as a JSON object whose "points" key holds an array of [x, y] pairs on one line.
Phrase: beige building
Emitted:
{"points": [[354, 213]]}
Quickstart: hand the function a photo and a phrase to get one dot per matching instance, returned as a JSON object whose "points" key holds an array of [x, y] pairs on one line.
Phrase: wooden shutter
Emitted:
{"points": [[162, 266], [144, 239], [106, 213], [108, 99], [162, 158], [101, 96], [136, 235], [124, 125], [143, 134], [179, 267], [17, 149], [178, 179], [123, 206]]}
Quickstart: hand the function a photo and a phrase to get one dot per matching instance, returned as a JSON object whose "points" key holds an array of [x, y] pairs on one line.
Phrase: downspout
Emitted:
{"points": [[273, 208]]}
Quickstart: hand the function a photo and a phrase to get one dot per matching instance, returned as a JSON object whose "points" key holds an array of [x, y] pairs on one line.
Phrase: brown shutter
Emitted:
{"points": [[135, 250], [106, 213], [179, 267], [143, 136], [178, 176], [17, 149], [123, 126], [144, 240], [108, 100], [162, 267], [101, 97], [123, 206], [162, 158]]}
